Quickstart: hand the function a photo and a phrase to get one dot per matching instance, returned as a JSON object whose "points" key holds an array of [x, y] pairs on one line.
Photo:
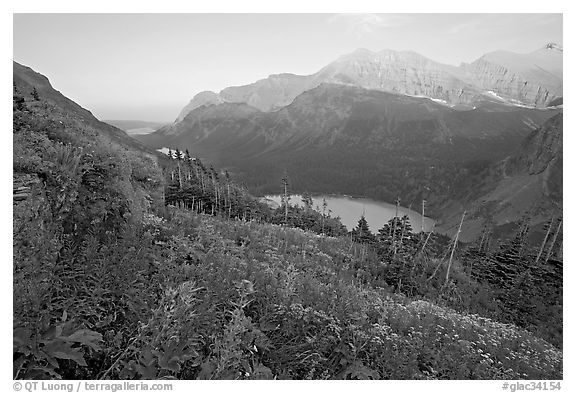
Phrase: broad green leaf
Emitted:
{"points": [[87, 337], [63, 350]]}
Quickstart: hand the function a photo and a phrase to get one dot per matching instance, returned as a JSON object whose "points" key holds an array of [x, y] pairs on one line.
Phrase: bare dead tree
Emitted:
{"points": [[285, 183], [554, 240], [454, 248], [544, 241], [423, 203]]}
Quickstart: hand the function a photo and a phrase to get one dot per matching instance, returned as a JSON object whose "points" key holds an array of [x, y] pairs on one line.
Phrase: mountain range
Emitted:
{"points": [[384, 125], [358, 127], [532, 79]]}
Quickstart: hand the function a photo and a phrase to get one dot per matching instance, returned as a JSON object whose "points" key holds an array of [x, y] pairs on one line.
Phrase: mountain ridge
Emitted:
{"points": [[406, 72], [337, 101]]}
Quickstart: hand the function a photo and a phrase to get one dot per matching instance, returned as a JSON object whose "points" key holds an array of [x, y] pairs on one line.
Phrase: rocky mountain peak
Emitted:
{"points": [[358, 53], [533, 79], [201, 99]]}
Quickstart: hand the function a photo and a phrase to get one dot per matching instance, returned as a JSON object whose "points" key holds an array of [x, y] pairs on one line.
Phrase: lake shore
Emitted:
{"points": [[350, 209]]}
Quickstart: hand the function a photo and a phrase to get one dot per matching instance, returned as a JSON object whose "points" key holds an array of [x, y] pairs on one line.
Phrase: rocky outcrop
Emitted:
{"points": [[399, 72], [511, 85], [533, 78], [200, 99]]}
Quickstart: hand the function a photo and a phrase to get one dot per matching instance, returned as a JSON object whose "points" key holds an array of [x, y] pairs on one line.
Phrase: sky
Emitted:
{"points": [[149, 66]]}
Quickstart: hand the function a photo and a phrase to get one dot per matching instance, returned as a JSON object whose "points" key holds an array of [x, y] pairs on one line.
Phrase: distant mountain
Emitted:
{"points": [[200, 99], [399, 72], [532, 79], [334, 113], [310, 112]]}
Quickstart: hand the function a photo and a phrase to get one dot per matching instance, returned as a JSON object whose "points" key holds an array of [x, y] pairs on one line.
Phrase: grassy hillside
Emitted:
{"points": [[191, 296]]}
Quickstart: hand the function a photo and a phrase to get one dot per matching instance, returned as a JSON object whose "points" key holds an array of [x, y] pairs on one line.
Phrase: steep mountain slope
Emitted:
{"points": [[529, 181], [62, 153], [26, 79], [344, 139], [533, 79], [400, 72], [541, 151], [387, 70]]}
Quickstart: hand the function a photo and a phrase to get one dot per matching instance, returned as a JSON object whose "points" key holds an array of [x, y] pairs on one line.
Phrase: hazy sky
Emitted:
{"points": [[148, 66]]}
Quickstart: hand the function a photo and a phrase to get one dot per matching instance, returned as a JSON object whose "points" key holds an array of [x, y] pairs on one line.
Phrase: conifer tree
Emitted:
{"points": [[396, 235], [179, 158], [17, 99], [361, 233], [228, 204], [201, 173], [188, 165], [307, 201]]}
